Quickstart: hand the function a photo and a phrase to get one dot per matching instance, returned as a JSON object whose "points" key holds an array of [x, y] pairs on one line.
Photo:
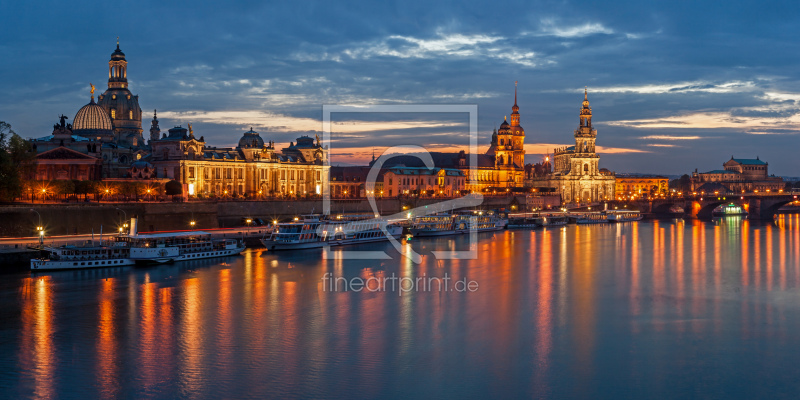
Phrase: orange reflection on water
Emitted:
{"points": [[745, 245], [148, 352], [106, 343], [37, 354], [191, 340], [544, 310], [583, 295]]}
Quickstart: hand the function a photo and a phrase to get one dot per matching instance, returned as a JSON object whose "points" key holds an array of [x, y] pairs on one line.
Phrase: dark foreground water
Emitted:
{"points": [[668, 309]]}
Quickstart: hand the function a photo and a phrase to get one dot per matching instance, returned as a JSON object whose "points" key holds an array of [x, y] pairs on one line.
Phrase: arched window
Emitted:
{"points": [[586, 168], [130, 114], [113, 113]]}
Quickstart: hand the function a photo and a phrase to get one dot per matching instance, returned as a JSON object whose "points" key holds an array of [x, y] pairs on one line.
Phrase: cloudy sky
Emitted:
{"points": [[673, 87]]}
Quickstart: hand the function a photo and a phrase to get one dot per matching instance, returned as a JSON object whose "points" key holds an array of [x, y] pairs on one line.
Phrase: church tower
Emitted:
{"points": [[155, 130], [518, 134], [120, 104], [585, 160]]}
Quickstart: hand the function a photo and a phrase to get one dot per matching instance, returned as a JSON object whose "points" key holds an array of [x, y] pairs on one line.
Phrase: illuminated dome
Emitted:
{"points": [[92, 119], [251, 139]]}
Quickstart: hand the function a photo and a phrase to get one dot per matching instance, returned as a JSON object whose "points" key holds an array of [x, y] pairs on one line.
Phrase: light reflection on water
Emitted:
{"points": [[647, 309]]}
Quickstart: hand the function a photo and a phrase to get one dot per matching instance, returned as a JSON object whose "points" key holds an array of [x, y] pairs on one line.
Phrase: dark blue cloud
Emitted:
{"points": [[671, 63]]}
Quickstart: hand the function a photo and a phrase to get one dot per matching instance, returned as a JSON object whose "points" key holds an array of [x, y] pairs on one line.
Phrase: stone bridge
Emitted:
{"points": [[758, 206]]}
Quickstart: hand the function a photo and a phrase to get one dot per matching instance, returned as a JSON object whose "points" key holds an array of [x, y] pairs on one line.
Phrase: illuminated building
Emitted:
{"points": [[109, 129], [500, 168], [641, 186], [739, 174], [576, 174], [252, 169]]}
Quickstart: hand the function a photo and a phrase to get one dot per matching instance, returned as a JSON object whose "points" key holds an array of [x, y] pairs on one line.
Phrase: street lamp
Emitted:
{"points": [[125, 215]]}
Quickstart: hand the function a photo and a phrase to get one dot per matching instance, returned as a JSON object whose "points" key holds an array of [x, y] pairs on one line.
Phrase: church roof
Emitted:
{"points": [[748, 161], [48, 138], [721, 171], [92, 117], [251, 139], [63, 153]]}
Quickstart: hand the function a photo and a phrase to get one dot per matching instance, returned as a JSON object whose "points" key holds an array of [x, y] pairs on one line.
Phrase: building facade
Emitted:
{"points": [[110, 129], [576, 174], [252, 169], [641, 186], [498, 169], [738, 175]]}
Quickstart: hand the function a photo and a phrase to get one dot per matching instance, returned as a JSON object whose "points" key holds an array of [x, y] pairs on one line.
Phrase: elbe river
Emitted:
{"points": [[649, 309]]}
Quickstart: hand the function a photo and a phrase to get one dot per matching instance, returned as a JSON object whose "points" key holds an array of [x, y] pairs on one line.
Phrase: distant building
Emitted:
{"points": [[641, 186], [500, 168], [739, 174], [399, 180], [576, 173]]}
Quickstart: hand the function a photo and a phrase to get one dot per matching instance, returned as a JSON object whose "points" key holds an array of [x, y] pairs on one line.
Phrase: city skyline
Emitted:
{"points": [[667, 98]]}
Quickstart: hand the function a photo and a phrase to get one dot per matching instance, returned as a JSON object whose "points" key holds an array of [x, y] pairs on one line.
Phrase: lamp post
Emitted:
{"points": [[125, 217], [39, 228]]}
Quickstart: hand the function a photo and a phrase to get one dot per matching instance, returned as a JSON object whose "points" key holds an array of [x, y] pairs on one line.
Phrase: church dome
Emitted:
{"points": [[92, 117], [251, 139]]}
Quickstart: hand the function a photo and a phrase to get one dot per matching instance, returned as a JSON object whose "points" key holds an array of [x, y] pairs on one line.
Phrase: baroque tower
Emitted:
{"points": [[509, 142], [155, 130], [585, 160], [120, 105]]}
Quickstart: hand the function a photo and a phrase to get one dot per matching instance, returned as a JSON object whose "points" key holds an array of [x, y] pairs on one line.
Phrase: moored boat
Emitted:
{"points": [[591, 218], [623, 215], [315, 232], [134, 248]]}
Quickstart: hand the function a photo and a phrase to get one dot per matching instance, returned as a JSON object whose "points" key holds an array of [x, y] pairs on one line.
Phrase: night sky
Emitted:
{"points": [[674, 86]]}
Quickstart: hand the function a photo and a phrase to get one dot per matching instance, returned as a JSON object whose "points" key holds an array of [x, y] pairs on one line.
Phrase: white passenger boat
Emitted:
{"points": [[455, 224], [91, 255], [312, 232], [480, 221], [591, 218], [135, 248], [433, 225], [623, 215]]}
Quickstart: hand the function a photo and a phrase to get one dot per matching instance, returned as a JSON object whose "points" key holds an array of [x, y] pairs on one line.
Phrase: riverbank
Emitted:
{"points": [[74, 219]]}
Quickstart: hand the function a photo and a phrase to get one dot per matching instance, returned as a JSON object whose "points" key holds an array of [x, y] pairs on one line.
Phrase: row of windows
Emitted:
{"points": [[229, 173]]}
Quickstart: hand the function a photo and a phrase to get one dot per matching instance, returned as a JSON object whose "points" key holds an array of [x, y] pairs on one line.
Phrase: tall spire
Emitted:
{"points": [[586, 110], [515, 109]]}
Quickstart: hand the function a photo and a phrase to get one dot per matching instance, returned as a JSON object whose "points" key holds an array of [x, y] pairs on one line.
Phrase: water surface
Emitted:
{"points": [[656, 309]]}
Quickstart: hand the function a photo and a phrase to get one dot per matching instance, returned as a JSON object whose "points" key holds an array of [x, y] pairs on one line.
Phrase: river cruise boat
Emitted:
{"points": [[623, 215], [518, 222], [481, 222], [90, 255], [168, 247], [552, 220], [455, 224], [433, 225], [729, 210], [591, 218], [135, 248], [312, 231]]}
